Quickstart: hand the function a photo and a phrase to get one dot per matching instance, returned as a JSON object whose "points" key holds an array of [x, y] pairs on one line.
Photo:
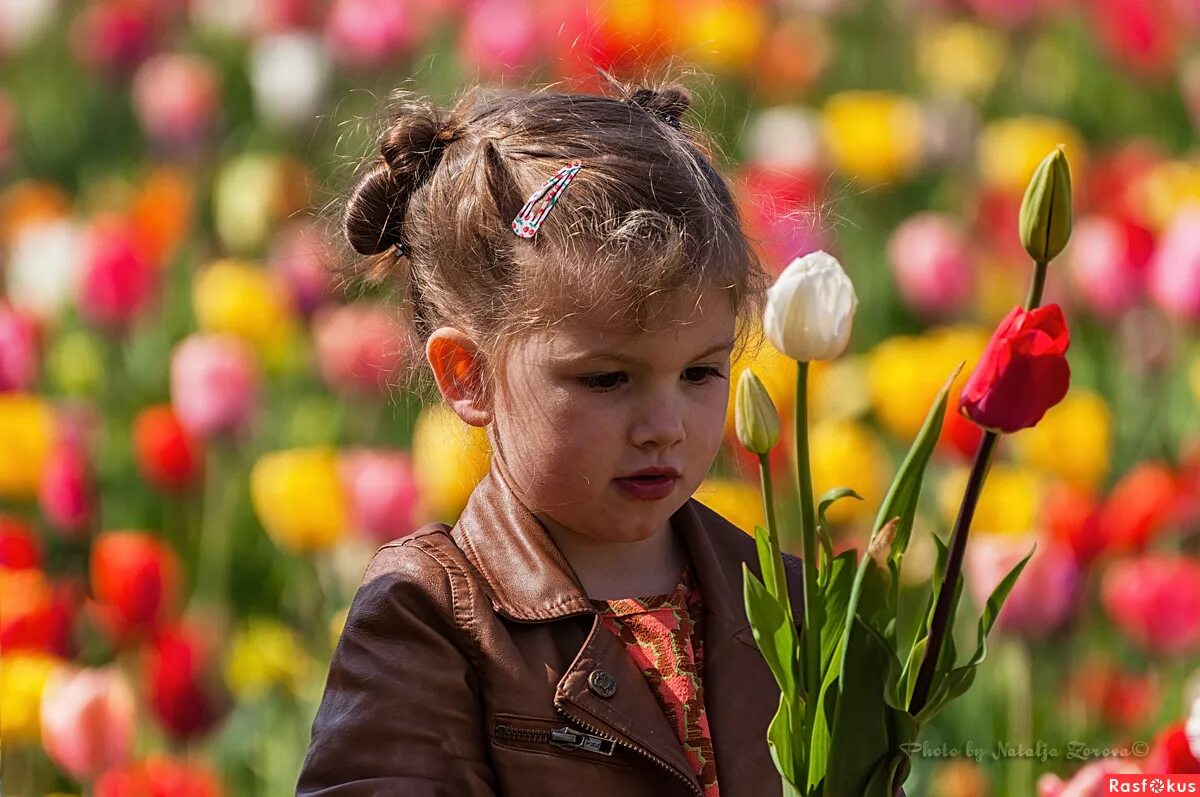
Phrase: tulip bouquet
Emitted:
{"points": [[853, 694]]}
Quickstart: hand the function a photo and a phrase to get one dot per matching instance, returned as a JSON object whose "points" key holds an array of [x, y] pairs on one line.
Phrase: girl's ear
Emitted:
{"points": [[457, 367]]}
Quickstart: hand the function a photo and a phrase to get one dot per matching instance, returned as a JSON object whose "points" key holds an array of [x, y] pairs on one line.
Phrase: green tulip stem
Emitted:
{"points": [[954, 562], [1037, 286], [808, 532], [775, 580]]}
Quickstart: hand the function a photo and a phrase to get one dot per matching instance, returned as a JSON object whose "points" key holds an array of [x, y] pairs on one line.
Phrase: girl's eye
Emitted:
{"points": [[602, 383], [702, 374]]}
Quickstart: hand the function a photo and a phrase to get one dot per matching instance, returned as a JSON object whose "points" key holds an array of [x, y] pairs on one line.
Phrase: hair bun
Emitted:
{"points": [[669, 104], [410, 149]]}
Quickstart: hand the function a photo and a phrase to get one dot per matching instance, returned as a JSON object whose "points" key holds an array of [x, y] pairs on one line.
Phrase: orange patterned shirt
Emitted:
{"points": [[664, 636]]}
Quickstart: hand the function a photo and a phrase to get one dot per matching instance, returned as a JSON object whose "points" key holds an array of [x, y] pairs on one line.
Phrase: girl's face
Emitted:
{"points": [[581, 406]]}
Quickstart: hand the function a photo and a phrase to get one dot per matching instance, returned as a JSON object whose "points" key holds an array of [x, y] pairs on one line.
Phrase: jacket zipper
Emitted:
{"points": [[566, 738], [635, 748]]}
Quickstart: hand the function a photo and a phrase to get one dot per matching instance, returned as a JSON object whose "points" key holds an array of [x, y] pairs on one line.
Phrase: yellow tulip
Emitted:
{"points": [[1000, 285], [23, 678], [264, 653], [1008, 504], [961, 57], [298, 498], [240, 298], [904, 374], [1167, 188], [874, 136], [26, 436], [740, 503], [846, 453], [336, 625], [76, 363], [1011, 149], [449, 458], [723, 34], [838, 388], [777, 372], [1073, 440]]}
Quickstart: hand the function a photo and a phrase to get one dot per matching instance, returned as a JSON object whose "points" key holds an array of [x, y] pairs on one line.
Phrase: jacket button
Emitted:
{"points": [[602, 683]]}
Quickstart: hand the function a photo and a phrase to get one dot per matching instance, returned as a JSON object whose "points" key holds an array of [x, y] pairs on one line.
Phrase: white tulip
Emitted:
{"points": [[289, 73], [810, 309]]}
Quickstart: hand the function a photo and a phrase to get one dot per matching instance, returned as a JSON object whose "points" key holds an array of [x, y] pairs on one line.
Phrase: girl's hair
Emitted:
{"points": [[647, 215]]}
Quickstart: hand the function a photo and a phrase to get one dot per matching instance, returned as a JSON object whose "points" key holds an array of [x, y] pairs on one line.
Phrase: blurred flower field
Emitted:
{"points": [[203, 438]]}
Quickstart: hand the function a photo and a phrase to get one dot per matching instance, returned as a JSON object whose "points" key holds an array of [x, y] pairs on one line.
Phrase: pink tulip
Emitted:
{"points": [[782, 211], [8, 123], [176, 97], [931, 262], [1045, 595], [214, 383], [1107, 258], [1175, 268], [1155, 601], [18, 348], [67, 494], [366, 33], [1088, 781], [359, 347], [382, 492], [87, 720], [114, 35], [303, 258], [118, 281], [499, 37]]}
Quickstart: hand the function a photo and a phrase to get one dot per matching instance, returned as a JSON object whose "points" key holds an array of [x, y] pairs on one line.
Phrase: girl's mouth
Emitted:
{"points": [[647, 488]]}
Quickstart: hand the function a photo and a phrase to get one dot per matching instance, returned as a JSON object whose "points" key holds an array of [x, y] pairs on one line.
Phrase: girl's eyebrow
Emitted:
{"points": [[608, 355]]}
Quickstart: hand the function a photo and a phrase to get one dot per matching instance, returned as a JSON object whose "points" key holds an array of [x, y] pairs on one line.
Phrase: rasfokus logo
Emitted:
{"points": [[1152, 784]]}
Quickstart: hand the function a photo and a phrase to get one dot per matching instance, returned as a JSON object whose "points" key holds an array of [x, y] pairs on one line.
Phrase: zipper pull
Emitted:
{"points": [[570, 739]]}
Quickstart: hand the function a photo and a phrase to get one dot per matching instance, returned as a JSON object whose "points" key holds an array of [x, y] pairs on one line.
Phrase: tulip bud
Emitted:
{"points": [[1046, 208], [810, 309], [757, 419]]}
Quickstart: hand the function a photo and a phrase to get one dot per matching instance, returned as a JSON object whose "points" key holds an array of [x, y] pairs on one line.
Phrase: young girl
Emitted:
{"points": [[578, 281]]}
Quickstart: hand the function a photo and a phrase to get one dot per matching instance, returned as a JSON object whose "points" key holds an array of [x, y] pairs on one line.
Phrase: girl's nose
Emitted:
{"points": [[660, 424]]}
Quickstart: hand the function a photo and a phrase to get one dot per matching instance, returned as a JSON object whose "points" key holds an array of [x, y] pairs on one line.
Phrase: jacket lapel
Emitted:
{"points": [[527, 579]]}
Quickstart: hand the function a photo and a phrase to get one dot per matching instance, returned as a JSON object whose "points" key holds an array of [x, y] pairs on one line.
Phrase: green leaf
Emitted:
{"points": [[781, 739], [859, 741], [770, 563], [828, 500], [775, 636]]}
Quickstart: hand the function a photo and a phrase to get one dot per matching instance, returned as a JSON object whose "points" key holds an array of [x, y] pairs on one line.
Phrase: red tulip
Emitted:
{"points": [[18, 348], [1155, 601], [1023, 371], [35, 614], [499, 37], [1123, 699], [1071, 515], [959, 436], [19, 546], [118, 280], [1171, 754], [167, 455], [780, 210], [136, 580], [114, 35], [159, 776], [1142, 34], [1139, 506], [184, 687]]}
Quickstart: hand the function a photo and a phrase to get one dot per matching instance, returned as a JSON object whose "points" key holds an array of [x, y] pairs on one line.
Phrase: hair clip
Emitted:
{"points": [[537, 207], [671, 119], [398, 249]]}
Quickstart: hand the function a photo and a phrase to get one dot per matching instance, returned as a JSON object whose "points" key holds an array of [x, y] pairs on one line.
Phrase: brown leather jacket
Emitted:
{"points": [[473, 664]]}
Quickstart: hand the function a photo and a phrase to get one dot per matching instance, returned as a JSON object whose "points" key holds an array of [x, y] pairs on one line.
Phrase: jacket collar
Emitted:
{"points": [[527, 578]]}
